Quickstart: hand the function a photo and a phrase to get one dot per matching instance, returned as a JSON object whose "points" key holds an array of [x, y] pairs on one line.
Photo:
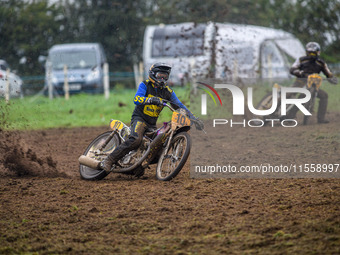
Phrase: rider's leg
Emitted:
{"points": [[323, 96], [138, 128]]}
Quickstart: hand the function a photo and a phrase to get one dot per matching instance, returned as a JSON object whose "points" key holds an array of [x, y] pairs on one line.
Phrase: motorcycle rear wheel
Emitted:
{"points": [[171, 163], [88, 173]]}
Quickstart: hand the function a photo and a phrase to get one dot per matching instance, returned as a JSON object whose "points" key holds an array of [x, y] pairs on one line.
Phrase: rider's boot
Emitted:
{"points": [[107, 163], [323, 121]]}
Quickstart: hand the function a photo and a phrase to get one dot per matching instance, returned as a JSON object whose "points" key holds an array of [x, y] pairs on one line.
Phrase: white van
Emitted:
{"points": [[84, 62], [221, 51]]}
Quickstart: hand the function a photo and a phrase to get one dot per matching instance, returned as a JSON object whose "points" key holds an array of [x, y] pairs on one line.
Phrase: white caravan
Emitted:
{"points": [[221, 51]]}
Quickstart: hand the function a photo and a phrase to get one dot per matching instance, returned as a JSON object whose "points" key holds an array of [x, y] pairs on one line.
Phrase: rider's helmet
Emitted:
{"points": [[313, 49], [159, 74]]}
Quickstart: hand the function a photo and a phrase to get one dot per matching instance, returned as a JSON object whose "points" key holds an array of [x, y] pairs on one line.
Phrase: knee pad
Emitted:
{"points": [[135, 142]]}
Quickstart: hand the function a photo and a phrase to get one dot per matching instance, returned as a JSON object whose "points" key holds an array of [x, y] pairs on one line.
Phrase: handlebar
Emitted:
{"points": [[194, 120], [167, 104], [332, 80]]}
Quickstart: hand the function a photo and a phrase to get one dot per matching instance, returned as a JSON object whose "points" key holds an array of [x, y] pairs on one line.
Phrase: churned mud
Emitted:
{"points": [[47, 209]]}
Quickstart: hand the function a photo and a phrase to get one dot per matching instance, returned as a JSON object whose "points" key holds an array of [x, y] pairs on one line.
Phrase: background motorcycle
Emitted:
{"points": [[314, 82]]}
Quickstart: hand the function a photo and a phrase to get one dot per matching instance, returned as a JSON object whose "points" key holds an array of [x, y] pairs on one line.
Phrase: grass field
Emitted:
{"points": [[39, 112]]}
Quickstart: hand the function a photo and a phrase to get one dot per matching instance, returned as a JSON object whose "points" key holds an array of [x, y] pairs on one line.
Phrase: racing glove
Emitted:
{"points": [[333, 80], [301, 74], [199, 124], [155, 101], [298, 73]]}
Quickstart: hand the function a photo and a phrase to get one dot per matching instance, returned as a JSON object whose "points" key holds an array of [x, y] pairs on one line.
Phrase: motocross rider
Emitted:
{"points": [[149, 104], [309, 64]]}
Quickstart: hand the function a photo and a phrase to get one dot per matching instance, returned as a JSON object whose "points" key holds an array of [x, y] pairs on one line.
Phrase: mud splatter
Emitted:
{"points": [[18, 159]]}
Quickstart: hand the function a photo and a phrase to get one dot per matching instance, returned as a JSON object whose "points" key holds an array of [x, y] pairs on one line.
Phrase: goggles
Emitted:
{"points": [[162, 75], [313, 53]]}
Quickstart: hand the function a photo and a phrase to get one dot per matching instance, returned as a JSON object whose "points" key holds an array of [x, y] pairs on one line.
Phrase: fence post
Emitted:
{"points": [[138, 71], [66, 87], [141, 72], [49, 80], [135, 72], [106, 81], [7, 91]]}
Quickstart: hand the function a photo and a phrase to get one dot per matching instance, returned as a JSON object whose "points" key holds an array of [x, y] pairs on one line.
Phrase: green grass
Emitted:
{"points": [[333, 96], [83, 110]]}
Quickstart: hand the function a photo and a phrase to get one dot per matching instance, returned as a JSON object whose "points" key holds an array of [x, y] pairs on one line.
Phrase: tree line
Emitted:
{"points": [[29, 28]]}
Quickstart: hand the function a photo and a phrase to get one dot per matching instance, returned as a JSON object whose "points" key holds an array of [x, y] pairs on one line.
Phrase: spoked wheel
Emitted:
{"points": [[92, 151], [265, 104], [171, 163]]}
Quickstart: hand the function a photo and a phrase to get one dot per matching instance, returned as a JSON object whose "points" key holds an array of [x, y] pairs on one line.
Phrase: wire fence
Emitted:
{"points": [[34, 84]]}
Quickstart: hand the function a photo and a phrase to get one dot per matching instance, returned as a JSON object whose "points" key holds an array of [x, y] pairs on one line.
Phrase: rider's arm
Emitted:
{"points": [[295, 69], [174, 99], [326, 71], [140, 97], [331, 78]]}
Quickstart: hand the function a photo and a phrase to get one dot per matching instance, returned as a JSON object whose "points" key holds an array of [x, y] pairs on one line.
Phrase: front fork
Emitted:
{"points": [[108, 139], [169, 142]]}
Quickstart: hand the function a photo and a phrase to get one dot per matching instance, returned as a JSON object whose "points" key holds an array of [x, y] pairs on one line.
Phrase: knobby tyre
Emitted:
{"points": [[171, 163], [88, 173], [265, 104]]}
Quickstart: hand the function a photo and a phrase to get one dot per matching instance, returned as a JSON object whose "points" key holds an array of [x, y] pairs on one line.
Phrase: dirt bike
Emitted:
{"points": [[314, 82], [267, 101], [168, 146]]}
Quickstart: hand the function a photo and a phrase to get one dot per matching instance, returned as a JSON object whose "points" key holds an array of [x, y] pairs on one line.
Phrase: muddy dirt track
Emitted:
{"points": [[47, 209]]}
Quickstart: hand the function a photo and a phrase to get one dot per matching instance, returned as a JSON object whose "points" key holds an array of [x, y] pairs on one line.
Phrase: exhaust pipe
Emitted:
{"points": [[89, 162]]}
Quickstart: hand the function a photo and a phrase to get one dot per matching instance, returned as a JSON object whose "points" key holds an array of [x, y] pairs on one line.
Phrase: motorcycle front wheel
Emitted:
{"points": [[265, 104], [171, 163], [89, 173]]}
